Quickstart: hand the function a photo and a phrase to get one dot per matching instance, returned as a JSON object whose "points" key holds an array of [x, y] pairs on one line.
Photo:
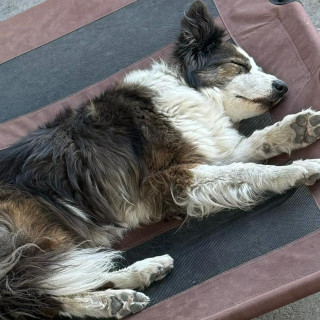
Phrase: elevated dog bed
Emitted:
{"points": [[234, 265]]}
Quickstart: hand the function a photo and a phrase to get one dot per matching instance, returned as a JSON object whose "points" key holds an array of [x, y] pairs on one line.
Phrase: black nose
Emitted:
{"points": [[280, 87]]}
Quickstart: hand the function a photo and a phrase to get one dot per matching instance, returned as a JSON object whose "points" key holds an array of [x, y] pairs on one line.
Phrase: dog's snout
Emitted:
{"points": [[280, 87]]}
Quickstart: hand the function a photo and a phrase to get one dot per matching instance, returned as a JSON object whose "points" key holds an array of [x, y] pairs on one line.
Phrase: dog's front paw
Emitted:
{"points": [[306, 127]]}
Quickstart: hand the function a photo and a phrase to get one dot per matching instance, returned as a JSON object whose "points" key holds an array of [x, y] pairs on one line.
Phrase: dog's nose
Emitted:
{"points": [[280, 87]]}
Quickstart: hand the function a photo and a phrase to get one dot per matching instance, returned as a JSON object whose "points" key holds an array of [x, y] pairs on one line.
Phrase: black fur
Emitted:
{"points": [[198, 39], [20, 297], [79, 155]]}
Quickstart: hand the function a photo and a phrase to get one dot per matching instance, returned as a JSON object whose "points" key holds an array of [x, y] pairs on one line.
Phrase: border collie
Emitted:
{"points": [[160, 144]]}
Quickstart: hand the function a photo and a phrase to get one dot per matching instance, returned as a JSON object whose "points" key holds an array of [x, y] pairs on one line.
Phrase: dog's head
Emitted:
{"points": [[205, 60]]}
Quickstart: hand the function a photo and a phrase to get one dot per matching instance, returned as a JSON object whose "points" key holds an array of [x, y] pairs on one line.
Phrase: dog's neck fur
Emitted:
{"points": [[199, 114]]}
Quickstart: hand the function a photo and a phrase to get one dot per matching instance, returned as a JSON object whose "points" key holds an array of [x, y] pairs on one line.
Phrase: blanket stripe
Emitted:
{"points": [[48, 21]]}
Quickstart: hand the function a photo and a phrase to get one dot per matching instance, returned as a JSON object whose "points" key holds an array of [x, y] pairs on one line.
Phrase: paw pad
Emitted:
{"points": [[315, 120], [306, 127], [127, 303]]}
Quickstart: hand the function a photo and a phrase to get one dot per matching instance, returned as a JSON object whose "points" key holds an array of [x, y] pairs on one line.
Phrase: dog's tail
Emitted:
{"points": [[32, 280]]}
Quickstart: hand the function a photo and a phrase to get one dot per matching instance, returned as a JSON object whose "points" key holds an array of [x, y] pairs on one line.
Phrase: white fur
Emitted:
{"points": [[242, 185], [78, 271], [252, 85], [136, 214], [75, 211]]}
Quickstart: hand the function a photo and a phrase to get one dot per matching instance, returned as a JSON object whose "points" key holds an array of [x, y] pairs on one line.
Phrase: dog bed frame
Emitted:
{"points": [[234, 265]]}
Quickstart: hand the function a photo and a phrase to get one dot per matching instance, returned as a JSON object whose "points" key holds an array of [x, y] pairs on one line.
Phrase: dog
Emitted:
{"points": [[160, 144]]}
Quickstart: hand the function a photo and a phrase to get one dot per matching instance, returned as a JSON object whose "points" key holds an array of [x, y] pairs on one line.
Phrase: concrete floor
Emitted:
{"points": [[9, 8], [305, 309]]}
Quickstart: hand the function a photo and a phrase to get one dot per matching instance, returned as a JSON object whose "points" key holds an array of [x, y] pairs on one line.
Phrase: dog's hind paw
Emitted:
{"points": [[126, 303], [153, 269], [104, 304]]}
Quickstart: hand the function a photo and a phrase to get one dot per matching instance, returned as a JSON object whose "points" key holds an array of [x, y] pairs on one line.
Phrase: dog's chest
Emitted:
{"points": [[214, 138], [203, 124]]}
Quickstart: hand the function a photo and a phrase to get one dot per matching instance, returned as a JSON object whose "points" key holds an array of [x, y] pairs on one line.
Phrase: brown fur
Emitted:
{"points": [[31, 222], [158, 191]]}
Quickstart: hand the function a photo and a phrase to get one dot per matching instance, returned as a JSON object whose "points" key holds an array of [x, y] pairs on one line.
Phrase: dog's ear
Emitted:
{"points": [[198, 38]]}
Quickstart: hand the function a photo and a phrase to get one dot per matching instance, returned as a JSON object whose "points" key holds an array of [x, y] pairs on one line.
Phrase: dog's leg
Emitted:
{"points": [[122, 301], [81, 281], [72, 277], [103, 304], [211, 189], [293, 132], [142, 273], [118, 303]]}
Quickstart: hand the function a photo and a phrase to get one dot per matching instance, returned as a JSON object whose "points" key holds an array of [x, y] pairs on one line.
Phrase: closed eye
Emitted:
{"points": [[245, 67]]}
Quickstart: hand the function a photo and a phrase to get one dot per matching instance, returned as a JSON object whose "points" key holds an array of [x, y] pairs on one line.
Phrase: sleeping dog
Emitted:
{"points": [[160, 144]]}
